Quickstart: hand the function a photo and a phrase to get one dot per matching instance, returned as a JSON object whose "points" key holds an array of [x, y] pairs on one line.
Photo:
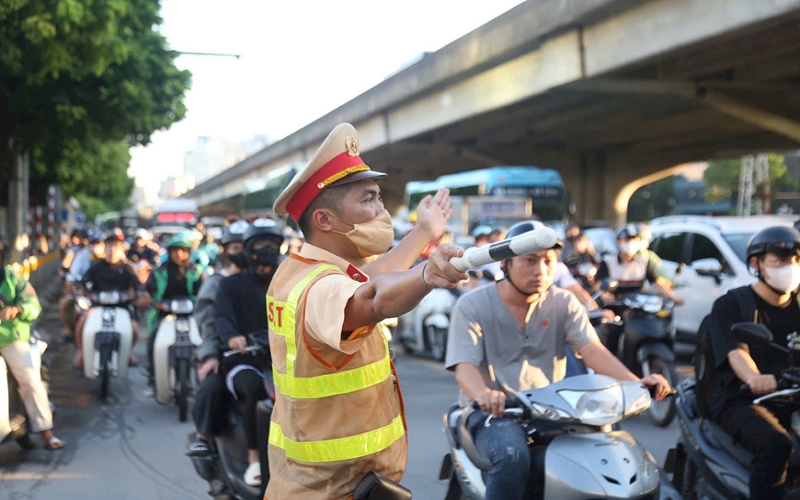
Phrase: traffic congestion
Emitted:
{"points": [[449, 250]]}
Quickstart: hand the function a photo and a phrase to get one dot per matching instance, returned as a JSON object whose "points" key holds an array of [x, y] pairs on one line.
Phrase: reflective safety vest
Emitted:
{"points": [[337, 416]]}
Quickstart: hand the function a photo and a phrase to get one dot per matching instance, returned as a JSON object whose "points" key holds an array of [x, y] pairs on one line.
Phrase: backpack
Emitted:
{"points": [[704, 353]]}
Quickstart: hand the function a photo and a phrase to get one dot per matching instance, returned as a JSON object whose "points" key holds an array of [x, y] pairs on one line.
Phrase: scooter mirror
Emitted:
{"points": [[752, 333]]}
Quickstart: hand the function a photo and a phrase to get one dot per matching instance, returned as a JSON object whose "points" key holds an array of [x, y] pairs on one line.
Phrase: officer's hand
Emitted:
{"points": [[9, 312], [206, 367], [762, 384], [238, 343], [493, 402], [439, 273], [659, 383], [433, 213]]}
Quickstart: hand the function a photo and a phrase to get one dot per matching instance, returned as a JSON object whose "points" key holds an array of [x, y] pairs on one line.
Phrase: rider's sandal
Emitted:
{"points": [[54, 444], [198, 448], [252, 476]]}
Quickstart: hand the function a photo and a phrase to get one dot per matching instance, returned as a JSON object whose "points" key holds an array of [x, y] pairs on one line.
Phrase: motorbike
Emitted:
{"points": [[107, 336], [585, 273], [14, 424], [706, 463], [576, 453], [226, 463], [424, 330], [645, 343], [177, 337]]}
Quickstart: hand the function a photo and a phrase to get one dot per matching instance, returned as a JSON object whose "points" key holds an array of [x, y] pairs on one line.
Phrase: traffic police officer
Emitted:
{"points": [[338, 412]]}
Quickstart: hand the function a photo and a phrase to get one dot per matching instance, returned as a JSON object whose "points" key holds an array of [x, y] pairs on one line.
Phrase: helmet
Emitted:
{"points": [[182, 239], [481, 231], [263, 229], [115, 235], [627, 231], [780, 240], [141, 233], [525, 226], [96, 236], [234, 233]]}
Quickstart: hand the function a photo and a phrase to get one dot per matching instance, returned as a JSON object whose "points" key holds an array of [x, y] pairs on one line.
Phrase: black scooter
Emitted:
{"points": [[645, 343], [225, 465], [706, 463]]}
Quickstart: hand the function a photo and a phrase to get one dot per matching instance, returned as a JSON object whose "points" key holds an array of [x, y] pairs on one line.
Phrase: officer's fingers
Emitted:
{"points": [[425, 203], [437, 199], [449, 250]]}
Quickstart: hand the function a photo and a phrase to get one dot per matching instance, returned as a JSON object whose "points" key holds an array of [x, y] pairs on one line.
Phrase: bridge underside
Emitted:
{"points": [[730, 96]]}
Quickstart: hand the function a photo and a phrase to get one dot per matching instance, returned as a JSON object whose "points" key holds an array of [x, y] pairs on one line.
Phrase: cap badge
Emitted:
{"points": [[352, 147]]}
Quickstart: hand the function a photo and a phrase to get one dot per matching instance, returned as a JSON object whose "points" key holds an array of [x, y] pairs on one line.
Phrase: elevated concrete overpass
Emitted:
{"points": [[606, 91]]}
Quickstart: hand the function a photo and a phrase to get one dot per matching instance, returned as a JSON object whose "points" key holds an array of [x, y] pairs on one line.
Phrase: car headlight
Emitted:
{"points": [[108, 298], [181, 306], [599, 407]]}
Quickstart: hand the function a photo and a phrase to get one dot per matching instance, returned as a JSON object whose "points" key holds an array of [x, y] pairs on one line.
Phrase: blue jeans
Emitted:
{"points": [[505, 444]]}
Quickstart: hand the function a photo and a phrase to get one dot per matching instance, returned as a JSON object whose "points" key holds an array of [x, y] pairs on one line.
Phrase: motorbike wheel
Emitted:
{"points": [[663, 412], [437, 340], [183, 389], [105, 370], [454, 489], [26, 442]]}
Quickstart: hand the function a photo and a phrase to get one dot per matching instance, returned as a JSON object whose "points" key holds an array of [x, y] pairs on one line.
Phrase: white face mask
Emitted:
{"points": [[628, 247], [784, 279]]}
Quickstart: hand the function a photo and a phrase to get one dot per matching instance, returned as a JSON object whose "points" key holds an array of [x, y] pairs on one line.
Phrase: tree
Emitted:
{"points": [[722, 177], [79, 77]]}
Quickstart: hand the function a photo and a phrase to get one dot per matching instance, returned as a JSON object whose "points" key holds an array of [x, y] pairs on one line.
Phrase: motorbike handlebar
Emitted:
{"points": [[530, 242], [250, 348]]}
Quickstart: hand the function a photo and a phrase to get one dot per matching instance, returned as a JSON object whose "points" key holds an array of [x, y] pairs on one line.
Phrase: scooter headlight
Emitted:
{"points": [[181, 306], [108, 298], [640, 404], [601, 407], [548, 412], [83, 303], [650, 303]]}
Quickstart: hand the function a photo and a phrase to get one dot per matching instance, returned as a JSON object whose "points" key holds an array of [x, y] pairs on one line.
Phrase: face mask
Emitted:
{"points": [[371, 238], [238, 259], [783, 279], [628, 247], [266, 256]]}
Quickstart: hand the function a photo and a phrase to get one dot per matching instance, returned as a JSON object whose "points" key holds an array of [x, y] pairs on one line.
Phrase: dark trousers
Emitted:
{"points": [[208, 404], [763, 433], [505, 444], [250, 389]]}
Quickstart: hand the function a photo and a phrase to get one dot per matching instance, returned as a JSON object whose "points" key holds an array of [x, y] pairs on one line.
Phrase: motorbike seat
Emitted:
{"points": [[468, 444], [721, 440]]}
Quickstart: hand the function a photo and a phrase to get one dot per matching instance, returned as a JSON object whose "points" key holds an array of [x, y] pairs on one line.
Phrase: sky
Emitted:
{"points": [[299, 60]]}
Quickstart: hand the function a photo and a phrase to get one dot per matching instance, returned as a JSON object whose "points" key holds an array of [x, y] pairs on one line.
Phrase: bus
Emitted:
{"points": [[505, 186]]}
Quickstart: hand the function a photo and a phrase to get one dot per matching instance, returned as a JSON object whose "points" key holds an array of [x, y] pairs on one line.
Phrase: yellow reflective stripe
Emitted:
{"points": [[336, 450], [279, 322], [291, 313], [334, 384]]}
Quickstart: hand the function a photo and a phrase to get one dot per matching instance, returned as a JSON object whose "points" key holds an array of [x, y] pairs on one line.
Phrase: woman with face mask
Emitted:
{"points": [[241, 309], [774, 256]]}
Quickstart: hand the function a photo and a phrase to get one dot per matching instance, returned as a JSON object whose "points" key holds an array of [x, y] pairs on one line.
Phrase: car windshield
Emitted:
{"points": [[738, 242]]}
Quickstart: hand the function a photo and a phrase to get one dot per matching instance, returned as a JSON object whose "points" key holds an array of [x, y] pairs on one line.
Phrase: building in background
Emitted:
{"points": [[174, 186], [213, 155]]}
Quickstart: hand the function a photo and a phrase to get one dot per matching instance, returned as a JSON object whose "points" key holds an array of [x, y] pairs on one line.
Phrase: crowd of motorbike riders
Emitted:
{"points": [[228, 280]]}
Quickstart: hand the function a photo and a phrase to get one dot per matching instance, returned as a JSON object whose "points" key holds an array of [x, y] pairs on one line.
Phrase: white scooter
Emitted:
{"points": [[14, 425], [425, 328], [107, 336], [177, 338], [576, 452]]}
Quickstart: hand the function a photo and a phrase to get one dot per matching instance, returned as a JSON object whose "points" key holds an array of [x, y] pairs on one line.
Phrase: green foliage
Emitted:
{"points": [[722, 177], [79, 77]]}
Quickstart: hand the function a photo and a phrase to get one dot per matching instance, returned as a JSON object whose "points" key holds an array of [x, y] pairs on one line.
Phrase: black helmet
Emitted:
{"points": [[527, 226], [780, 240], [627, 231], [234, 233], [260, 229]]}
